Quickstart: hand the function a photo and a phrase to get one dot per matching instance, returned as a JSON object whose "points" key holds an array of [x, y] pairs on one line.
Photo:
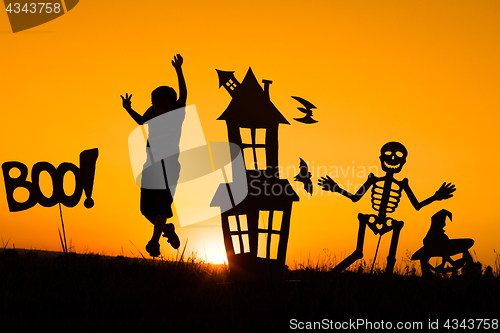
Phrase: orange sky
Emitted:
{"points": [[423, 73]]}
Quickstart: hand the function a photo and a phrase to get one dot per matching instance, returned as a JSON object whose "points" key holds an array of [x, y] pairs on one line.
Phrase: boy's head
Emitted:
{"points": [[163, 99]]}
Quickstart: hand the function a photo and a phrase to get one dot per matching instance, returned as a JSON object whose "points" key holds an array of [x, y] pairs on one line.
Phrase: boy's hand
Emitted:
{"points": [[126, 102], [177, 62]]}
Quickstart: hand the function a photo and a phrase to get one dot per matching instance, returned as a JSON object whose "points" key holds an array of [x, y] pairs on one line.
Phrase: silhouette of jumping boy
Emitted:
{"points": [[156, 203]]}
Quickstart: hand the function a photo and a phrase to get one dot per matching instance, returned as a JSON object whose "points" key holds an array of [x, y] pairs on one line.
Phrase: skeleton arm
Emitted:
{"points": [[444, 192], [329, 184]]}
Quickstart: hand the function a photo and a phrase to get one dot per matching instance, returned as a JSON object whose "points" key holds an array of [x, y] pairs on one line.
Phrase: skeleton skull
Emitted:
{"points": [[393, 157]]}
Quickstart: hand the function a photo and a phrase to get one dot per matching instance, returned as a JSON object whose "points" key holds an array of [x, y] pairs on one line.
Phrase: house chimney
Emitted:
{"points": [[266, 86]]}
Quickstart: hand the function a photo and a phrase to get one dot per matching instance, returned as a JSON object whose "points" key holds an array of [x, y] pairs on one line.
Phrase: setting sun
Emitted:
{"points": [[218, 258]]}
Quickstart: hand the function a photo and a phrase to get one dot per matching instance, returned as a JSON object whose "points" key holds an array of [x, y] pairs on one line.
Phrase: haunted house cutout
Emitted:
{"points": [[256, 230]]}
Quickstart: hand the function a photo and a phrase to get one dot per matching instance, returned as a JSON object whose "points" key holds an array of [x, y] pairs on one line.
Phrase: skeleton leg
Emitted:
{"points": [[358, 253], [391, 258]]}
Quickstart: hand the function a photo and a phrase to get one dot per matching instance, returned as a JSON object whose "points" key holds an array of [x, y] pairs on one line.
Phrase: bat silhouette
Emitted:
{"points": [[304, 176], [307, 110]]}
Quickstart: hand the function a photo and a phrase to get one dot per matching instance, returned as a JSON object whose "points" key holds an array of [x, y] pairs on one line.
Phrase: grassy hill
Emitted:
{"points": [[93, 293]]}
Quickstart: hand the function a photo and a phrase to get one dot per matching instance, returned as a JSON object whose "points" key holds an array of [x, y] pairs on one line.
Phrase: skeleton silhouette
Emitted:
{"points": [[385, 197]]}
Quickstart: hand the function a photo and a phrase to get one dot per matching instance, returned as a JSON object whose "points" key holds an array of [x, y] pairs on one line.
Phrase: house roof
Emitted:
{"points": [[264, 194], [224, 76], [251, 105]]}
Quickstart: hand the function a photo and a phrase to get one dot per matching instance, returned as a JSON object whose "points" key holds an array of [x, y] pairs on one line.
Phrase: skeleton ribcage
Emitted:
{"points": [[386, 202]]}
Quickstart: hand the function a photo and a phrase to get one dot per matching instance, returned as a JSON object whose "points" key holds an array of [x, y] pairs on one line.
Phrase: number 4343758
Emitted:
{"points": [[485, 324], [34, 8]]}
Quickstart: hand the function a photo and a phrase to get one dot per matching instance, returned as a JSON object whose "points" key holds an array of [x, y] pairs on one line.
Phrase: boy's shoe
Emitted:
{"points": [[153, 249], [172, 237]]}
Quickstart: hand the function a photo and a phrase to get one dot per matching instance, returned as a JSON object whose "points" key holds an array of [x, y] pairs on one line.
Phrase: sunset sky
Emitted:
{"points": [[424, 73]]}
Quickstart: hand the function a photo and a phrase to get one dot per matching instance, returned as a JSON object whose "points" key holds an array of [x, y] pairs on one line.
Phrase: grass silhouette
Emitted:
{"points": [[90, 292]]}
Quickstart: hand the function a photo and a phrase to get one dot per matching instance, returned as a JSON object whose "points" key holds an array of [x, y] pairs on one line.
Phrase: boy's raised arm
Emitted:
{"points": [[177, 63], [127, 105]]}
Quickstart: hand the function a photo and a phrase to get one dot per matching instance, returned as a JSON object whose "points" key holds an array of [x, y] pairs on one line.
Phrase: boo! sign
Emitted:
{"points": [[84, 182]]}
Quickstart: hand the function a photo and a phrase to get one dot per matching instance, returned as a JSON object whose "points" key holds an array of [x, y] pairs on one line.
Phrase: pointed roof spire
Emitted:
{"points": [[227, 80], [251, 105]]}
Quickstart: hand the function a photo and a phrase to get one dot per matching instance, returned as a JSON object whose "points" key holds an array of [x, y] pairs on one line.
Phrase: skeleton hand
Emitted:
{"points": [[445, 191], [328, 184]]}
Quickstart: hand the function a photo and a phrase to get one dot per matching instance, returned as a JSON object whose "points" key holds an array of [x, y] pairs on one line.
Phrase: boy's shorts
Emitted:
{"points": [[156, 202]]}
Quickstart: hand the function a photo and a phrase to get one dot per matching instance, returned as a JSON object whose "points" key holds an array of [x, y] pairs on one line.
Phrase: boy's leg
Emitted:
{"points": [[159, 224], [168, 230], [153, 246], [160, 201], [169, 233]]}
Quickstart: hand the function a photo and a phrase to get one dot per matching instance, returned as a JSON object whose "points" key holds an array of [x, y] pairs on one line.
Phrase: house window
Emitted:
{"points": [[260, 136], [246, 136], [231, 84], [240, 243], [253, 142], [269, 233], [238, 228], [255, 158], [277, 219]]}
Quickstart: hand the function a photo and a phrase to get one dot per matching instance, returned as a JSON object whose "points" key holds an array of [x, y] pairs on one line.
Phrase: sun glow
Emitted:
{"points": [[218, 258]]}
